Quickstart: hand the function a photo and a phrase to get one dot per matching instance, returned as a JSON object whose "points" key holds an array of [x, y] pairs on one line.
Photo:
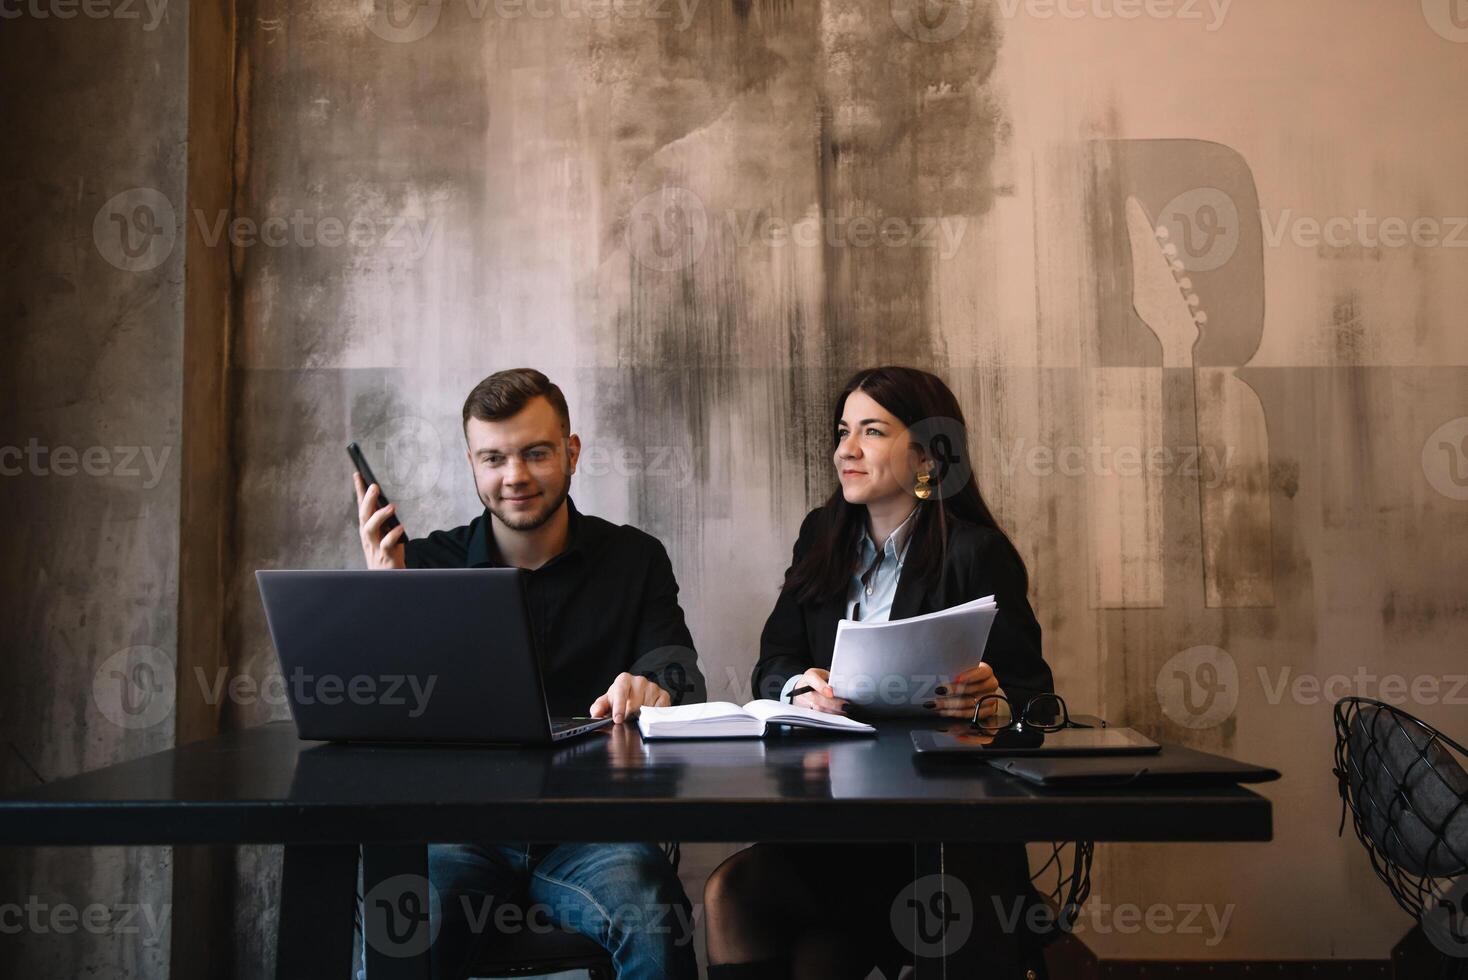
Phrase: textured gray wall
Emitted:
{"points": [[94, 108]]}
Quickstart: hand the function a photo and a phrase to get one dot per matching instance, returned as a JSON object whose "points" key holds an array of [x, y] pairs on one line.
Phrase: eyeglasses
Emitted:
{"points": [[1041, 713]]}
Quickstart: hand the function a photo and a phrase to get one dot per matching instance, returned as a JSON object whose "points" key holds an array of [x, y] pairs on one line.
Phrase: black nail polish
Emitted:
{"points": [[940, 690], [930, 704]]}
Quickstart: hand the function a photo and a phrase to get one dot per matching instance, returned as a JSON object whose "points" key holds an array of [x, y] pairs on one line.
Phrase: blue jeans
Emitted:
{"points": [[627, 897]]}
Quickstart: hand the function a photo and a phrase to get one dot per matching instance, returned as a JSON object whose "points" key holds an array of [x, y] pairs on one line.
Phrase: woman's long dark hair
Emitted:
{"points": [[917, 399]]}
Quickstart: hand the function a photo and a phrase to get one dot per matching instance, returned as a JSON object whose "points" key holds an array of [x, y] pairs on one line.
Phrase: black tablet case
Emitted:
{"points": [[1175, 765]]}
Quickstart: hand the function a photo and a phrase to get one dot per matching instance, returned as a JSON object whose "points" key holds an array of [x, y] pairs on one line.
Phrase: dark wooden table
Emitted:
{"points": [[325, 802]]}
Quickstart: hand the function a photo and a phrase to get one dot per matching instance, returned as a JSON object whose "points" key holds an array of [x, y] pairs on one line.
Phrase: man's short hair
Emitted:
{"points": [[506, 393]]}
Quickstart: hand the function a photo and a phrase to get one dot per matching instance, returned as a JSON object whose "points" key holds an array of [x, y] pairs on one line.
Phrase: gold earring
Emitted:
{"points": [[924, 488]]}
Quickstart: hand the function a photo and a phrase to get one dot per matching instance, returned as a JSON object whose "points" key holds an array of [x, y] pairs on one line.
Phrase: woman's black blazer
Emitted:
{"points": [[980, 562]]}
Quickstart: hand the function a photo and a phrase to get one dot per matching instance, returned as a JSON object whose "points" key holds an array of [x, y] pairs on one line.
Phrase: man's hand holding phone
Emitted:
{"points": [[381, 550]]}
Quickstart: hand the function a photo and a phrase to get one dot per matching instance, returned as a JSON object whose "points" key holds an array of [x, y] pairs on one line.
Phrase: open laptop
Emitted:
{"points": [[411, 655]]}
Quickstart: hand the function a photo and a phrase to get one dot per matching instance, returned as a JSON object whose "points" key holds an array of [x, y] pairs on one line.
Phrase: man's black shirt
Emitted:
{"points": [[607, 604]]}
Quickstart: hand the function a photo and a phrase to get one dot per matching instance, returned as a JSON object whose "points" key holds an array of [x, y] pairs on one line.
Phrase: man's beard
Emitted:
{"points": [[530, 522]]}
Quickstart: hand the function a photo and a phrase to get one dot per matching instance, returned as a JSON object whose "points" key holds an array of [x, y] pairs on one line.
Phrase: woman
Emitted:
{"points": [[901, 536]]}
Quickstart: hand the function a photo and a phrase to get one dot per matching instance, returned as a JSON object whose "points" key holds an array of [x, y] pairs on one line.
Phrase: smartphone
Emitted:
{"points": [[360, 462]]}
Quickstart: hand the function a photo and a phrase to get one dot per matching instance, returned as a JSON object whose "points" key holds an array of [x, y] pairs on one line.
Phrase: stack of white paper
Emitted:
{"points": [[894, 667]]}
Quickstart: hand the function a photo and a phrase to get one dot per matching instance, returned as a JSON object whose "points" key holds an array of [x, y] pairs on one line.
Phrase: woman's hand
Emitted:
{"points": [[957, 700], [821, 697]]}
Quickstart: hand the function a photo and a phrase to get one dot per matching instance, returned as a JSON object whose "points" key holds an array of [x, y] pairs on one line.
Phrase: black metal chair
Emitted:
{"points": [[1405, 786]]}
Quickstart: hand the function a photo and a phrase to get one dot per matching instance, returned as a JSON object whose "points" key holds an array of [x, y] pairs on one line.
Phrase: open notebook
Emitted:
{"points": [[721, 719]]}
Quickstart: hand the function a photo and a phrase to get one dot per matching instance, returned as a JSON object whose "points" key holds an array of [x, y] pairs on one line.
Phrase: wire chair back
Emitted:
{"points": [[1405, 786]]}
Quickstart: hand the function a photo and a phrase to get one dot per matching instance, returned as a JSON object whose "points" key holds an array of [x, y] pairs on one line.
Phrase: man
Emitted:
{"points": [[603, 604]]}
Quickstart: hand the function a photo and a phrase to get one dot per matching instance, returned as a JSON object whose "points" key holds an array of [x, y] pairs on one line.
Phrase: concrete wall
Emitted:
{"points": [[91, 298]]}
